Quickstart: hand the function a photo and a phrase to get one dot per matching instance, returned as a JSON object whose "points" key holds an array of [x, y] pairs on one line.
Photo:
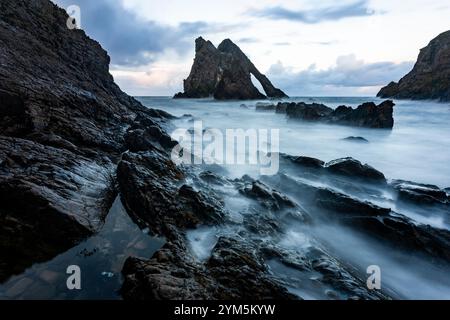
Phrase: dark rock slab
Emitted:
{"points": [[233, 272], [420, 193], [353, 168]]}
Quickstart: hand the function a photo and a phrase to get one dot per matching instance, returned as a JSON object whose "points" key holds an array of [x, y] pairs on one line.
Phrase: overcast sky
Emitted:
{"points": [[306, 47]]}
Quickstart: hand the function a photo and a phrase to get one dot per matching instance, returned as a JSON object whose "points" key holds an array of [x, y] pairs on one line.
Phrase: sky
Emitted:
{"points": [[305, 47]]}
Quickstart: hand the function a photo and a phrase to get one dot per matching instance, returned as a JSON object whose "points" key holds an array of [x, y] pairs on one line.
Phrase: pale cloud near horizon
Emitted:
{"points": [[152, 43]]}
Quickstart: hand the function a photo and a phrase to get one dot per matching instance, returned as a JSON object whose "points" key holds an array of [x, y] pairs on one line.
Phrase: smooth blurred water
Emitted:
{"points": [[417, 149]]}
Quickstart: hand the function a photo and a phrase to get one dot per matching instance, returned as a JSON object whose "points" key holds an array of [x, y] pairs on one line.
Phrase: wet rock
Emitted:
{"points": [[309, 112], [154, 193], [51, 199], [283, 106], [307, 162], [242, 274], [232, 272], [340, 204], [62, 127], [212, 178], [419, 193], [149, 138], [353, 168], [268, 198], [262, 224], [366, 115], [430, 76], [224, 73], [403, 233], [356, 139], [265, 107]]}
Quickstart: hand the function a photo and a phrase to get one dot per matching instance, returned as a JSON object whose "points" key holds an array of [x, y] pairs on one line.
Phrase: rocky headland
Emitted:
{"points": [[225, 73], [430, 77], [64, 125]]}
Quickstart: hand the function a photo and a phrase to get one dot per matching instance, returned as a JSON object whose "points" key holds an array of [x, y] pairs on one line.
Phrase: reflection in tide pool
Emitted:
{"points": [[100, 258]]}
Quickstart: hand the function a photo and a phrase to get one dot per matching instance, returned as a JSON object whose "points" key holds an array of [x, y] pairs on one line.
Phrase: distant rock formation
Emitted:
{"points": [[430, 77], [367, 115], [225, 73]]}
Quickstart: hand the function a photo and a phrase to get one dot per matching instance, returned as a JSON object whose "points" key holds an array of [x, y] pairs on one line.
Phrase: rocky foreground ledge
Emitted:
{"points": [[64, 124], [367, 115]]}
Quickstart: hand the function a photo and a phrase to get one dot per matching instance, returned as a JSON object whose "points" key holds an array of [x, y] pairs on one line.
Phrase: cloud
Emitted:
{"points": [[333, 13], [132, 41], [248, 40], [349, 76]]}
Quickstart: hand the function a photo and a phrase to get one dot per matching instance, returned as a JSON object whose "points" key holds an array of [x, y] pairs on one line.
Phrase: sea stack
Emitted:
{"points": [[430, 77], [225, 73]]}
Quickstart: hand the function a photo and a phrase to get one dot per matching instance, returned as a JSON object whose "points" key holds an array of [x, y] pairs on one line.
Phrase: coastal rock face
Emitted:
{"points": [[430, 77], [225, 73], [62, 126]]}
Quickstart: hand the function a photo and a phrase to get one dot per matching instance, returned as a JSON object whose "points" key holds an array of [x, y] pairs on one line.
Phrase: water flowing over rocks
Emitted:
{"points": [[430, 77], [225, 73]]}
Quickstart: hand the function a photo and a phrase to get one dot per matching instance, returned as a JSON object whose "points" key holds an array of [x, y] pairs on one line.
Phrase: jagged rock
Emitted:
{"points": [[430, 77], [265, 107], [305, 161], [62, 127], [212, 178], [311, 112], [353, 168], [420, 193], [233, 272], [51, 199], [269, 199], [340, 204], [154, 193], [380, 223], [366, 115], [224, 73]]}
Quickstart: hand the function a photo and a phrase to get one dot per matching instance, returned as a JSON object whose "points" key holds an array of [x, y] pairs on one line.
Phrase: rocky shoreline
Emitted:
{"points": [[71, 141]]}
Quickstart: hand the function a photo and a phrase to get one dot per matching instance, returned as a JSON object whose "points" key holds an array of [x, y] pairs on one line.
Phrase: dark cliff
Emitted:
{"points": [[63, 123], [430, 77], [225, 73]]}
